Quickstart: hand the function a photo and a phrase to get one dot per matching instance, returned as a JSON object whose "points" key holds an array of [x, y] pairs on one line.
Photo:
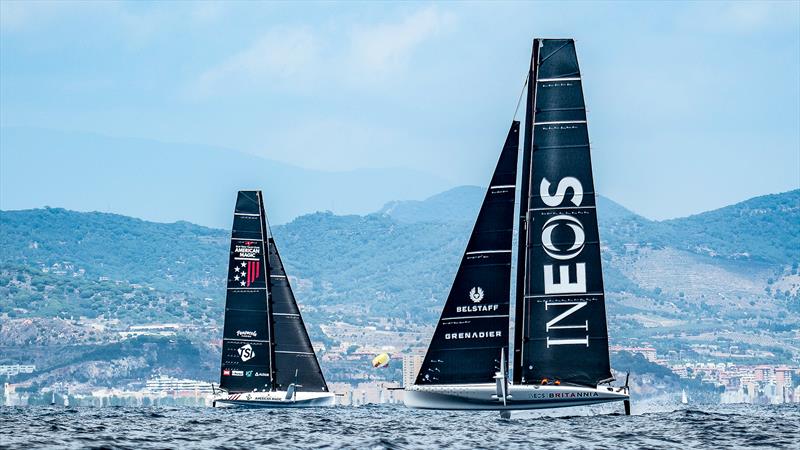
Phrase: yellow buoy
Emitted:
{"points": [[381, 361]]}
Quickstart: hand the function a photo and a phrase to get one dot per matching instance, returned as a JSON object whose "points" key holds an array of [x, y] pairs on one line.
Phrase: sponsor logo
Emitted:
{"points": [[539, 395], [260, 374], [249, 373], [477, 308], [246, 352], [547, 237], [474, 335], [226, 372], [237, 373], [476, 294], [247, 250], [559, 253], [246, 266], [246, 333]]}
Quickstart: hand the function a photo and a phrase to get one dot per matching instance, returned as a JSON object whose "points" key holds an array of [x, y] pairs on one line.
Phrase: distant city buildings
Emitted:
{"points": [[159, 390], [16, 369], [158, 329], [346, 351], [649, 353], [411, 366], [163, 384], [366, 393], [761, 384]]}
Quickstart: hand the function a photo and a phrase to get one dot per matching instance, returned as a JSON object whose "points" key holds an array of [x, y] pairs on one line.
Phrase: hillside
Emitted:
{"points": [[392, 270], [462, 204], [762, 229], [454, 205], [765, 228], [118, 247]]}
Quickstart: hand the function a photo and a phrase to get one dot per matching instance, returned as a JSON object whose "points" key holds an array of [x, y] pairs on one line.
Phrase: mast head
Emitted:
{"points": [[249, 202]]}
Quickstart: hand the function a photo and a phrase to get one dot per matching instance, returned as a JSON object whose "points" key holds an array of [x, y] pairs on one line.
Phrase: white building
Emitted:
{"points": [[14, 369], [163, 383], [411, 366]]}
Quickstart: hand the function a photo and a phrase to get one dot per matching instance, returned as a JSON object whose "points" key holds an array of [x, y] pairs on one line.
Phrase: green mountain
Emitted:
{"points": [[454, 205], [764, 228], [462, 204], [397, 262], [727, 279], [172, 255]]}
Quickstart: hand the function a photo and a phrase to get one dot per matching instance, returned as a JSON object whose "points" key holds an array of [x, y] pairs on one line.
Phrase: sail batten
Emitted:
{"points": [[561, 325], [472, 332]]}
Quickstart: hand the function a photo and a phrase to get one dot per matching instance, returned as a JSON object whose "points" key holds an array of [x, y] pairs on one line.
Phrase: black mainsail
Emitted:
{"points": [[246, 351], [265, 346], [560, 323], [472, 331]]}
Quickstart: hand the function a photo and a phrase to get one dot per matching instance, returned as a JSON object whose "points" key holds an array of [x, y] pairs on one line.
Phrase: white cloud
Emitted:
{"points": [[19, 15], [742, 17], [302, 59], [282, 56], [205, 12], [388, 47]]}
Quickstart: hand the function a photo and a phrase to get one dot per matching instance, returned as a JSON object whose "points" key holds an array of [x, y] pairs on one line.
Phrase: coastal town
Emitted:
{"points": [[346, 354]]}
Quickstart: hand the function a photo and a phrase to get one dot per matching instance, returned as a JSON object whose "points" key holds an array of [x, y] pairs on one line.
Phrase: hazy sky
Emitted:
{"points": [[692, 105]]}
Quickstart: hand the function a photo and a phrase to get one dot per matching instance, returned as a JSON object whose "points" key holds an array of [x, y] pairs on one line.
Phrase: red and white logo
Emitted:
{"points": [[246, 268], [226, 372]]}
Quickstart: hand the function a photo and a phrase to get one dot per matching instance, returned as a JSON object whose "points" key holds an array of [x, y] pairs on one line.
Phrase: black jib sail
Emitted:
{"points": [[472, 331], [246, 351], [295, 361], [561, 324]]}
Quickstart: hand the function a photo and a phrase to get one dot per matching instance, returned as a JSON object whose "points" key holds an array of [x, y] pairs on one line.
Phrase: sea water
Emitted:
{"points": [[393, 426]]}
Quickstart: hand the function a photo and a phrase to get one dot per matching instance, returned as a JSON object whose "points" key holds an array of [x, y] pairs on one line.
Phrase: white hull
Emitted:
{"points": [[275, 399], [484, 396]]}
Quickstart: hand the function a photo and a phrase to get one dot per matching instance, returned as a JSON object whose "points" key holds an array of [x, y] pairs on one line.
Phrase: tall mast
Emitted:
{"points": [[267, 236], [524, 196]]}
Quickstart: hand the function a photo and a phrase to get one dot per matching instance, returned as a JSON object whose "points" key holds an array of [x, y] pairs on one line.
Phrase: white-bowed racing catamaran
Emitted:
{"points": [[560, 354], [267, 357]]}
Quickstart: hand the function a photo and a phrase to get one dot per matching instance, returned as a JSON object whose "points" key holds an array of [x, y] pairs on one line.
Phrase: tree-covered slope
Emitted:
{"points": [[377, 265], [171, 255], [765, 228]]}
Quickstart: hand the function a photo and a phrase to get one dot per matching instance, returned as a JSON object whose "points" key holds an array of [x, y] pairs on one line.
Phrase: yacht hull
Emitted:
{"points": [[276, 399], [484, 396]]}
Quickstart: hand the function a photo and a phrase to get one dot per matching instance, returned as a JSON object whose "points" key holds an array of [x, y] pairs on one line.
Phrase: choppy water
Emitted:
{"points": [[730, 426]]}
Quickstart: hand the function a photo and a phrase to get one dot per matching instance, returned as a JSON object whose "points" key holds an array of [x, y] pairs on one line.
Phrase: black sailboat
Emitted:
{"points": [[560, 355], [267, 357]]}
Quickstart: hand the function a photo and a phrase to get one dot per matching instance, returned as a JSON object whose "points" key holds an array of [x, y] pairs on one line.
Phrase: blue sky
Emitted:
{"points": [[692, 105]]}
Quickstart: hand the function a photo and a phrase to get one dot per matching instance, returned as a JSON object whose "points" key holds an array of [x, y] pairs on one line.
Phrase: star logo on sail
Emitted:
{"points": [[476, 294], [246, 352], [245, 268], [246, 273]]}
